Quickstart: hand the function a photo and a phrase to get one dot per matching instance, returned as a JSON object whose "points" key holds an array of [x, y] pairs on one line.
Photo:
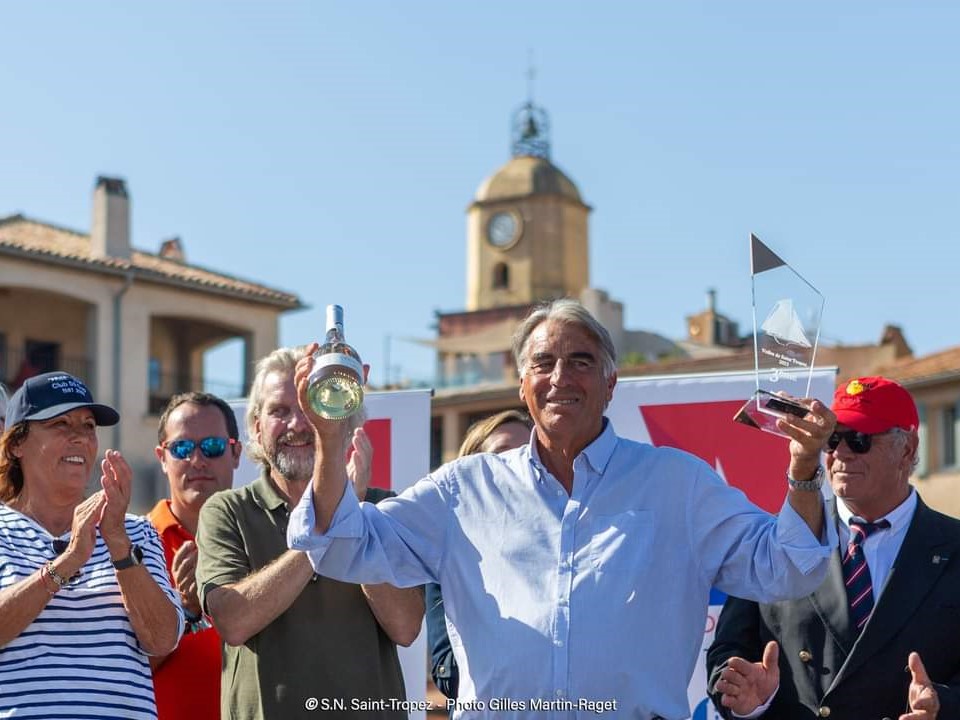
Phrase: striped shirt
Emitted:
{"points": [[80, 657]]}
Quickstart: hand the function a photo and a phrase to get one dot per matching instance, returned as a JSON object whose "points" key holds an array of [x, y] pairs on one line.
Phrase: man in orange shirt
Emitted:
{"points": [[199, 448]]}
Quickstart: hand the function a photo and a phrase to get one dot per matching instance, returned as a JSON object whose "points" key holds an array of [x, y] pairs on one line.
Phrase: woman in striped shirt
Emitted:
{"points": [[84, 594]]}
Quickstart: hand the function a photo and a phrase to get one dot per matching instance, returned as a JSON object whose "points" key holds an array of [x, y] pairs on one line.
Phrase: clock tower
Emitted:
{"points": [[527, 242], [527, 236]]}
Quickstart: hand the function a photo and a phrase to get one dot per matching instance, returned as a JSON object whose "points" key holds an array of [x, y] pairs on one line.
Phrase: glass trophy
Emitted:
{"points": [[786, 329]]}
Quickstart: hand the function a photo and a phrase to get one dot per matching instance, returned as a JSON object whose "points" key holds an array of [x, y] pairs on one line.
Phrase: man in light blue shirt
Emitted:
{"points": [[576, 570]]}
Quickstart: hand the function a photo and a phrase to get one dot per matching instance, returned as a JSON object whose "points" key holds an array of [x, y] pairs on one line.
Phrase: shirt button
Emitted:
{"points": [[824, 711], [559, 493], [559, 692], [806, 656], [558, 643]]}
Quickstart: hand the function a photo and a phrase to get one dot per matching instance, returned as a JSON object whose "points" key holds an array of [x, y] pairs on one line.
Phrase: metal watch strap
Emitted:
{"points": [[811, 485]]}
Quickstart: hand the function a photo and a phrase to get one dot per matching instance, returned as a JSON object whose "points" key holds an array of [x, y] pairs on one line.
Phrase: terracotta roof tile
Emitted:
{"points": [[37, 239], [939, 365]]}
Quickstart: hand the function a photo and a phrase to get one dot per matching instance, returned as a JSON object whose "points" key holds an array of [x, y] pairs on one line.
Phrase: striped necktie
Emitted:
{"points": [[856, 574]]}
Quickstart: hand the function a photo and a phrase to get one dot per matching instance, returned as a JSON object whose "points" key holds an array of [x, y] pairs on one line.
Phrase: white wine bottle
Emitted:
{"points": [[335, 389]]}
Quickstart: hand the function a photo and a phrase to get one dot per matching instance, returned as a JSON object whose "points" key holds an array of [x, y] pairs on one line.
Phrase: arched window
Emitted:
{"points": [[501, 276]]}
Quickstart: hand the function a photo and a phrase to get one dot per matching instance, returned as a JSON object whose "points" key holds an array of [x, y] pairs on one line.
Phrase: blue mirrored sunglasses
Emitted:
{"points": [[211, 447]]}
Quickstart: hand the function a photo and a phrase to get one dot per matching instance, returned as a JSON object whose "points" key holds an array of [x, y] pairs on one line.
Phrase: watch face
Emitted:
{"points": [[503, 229]]}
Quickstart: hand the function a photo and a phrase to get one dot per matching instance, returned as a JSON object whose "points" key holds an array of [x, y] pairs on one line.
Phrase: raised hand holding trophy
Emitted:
{"points": [[786, 329]]}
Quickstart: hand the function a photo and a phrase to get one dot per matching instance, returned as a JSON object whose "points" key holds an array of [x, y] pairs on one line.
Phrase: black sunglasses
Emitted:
{"points": [[858, 442], [211, 447]]}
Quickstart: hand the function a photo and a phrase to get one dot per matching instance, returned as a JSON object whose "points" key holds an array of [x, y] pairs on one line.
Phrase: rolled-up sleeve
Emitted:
{"points": [[222, 556], [795, 536], [400, 540]]}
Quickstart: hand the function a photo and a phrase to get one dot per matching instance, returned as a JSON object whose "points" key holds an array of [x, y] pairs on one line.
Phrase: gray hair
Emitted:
{"points": [[282, 360], [565, 310], [901, 439]]}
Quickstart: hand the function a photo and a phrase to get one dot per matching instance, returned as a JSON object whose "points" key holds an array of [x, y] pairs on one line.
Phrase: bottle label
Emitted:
{"points": [[330, 359]]}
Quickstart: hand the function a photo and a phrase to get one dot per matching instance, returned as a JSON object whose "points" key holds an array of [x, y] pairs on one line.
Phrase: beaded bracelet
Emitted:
{"points": [[196, 624], [44, 571], [59, 579]]}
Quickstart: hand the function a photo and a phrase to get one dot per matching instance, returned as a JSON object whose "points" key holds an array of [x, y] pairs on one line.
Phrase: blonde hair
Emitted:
{"points": [[481, 430], [282, 360]]}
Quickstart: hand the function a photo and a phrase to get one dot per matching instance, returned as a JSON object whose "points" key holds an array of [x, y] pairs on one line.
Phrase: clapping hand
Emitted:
{"points": [[360, 462], [184, 571], [116, 482], [83, 533]]}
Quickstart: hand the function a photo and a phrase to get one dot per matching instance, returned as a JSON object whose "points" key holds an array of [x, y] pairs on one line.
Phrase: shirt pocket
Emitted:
{"points": [[620, 544]]}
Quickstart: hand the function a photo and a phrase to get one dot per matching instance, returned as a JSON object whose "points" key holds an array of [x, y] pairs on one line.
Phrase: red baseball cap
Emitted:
{"points": [[875, 405]]}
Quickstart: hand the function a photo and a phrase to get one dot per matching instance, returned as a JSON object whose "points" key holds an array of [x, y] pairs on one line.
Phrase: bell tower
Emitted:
{"points": [[527, 234]]}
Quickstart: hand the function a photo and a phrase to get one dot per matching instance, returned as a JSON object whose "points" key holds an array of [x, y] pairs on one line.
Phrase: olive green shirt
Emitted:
{"points": [[327, 645]]}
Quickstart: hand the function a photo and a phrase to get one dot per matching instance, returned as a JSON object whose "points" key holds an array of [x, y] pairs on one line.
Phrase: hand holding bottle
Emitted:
{"points": [[325, 427], [332, 436], [336, 381]]}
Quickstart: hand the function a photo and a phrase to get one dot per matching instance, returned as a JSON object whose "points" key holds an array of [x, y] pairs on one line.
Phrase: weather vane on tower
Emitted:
{"points": [[531, 127]]}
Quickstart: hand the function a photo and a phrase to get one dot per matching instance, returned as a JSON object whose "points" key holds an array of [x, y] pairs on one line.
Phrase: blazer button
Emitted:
{"points": [[806, 656], [824, 711]]}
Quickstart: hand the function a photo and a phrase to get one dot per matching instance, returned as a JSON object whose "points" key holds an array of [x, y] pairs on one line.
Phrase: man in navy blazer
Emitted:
{"points": [[807, 658]]}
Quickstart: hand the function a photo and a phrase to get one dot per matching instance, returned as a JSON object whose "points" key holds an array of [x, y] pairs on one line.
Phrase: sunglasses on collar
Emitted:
{"points": [[859, 442], [210, 447]]}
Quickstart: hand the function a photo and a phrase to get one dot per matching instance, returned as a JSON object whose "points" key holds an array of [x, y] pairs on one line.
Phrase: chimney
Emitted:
{"points": [[110, 231], [711, 300], [172, 249]]}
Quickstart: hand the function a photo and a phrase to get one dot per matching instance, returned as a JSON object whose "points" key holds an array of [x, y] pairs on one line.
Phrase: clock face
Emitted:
{"points": [[503, 229]]}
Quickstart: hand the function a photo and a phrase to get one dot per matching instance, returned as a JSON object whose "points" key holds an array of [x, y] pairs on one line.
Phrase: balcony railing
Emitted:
{"points": [[16, 366], [471, 377]]}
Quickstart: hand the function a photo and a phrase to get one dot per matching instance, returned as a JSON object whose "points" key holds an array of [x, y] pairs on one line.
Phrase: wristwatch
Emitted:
{"points": [[132, 560], [811, 485]]}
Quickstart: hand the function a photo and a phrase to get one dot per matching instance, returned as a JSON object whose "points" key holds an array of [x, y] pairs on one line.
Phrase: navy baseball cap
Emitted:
{"points": [[49, 395]]}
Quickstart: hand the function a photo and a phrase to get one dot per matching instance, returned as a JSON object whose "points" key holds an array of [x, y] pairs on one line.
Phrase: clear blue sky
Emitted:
{"points": [[331, 148]]}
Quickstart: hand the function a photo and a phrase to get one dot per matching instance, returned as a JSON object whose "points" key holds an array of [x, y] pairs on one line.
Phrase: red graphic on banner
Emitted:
{"points": [[379, 433], [754, 461]]}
